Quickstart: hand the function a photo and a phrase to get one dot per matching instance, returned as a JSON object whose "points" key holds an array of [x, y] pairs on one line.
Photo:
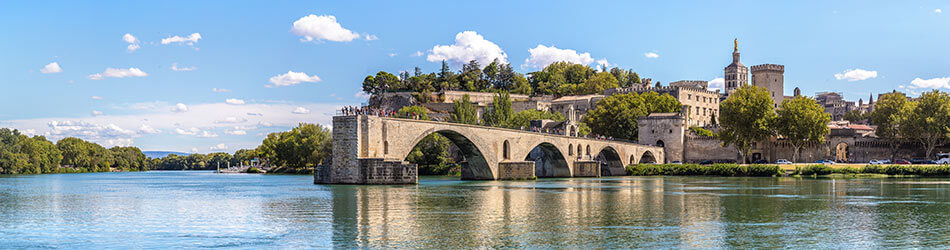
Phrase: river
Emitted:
{"points": [[203, 209]]}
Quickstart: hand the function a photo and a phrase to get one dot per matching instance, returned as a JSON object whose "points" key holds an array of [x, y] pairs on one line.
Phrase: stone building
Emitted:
{"points": [[664, 130], [834, 104], [690, 83], [736, 74], [771, 77], [574, 108], [700, 104]]}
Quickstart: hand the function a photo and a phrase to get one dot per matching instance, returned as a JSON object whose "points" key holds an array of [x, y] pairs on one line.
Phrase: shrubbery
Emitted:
{"points": [[924, 171], [696, 169]]}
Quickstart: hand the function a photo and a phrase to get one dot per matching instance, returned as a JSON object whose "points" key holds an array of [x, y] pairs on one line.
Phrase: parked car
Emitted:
{"points": [[918, 161], [760, 161], [706, 162], [901, 162], [676, 162], [829, 162], [943, 161], [877, 162], [782, 161]]}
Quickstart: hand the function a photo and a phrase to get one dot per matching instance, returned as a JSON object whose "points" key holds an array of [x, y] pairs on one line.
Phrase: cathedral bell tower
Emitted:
{"points": [[736, 74]]}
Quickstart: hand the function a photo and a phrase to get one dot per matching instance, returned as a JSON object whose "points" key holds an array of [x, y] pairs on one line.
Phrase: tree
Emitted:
{"points": [[745, 118], [887, 115], [471, 77], [616, 116], [500, 111], [801, 121], [927, 120], [411, 111], [446, 79], [598, 83], [383, 81], [298, 150], [523, 118], [464, 111], [431, 154], [855, 116]]}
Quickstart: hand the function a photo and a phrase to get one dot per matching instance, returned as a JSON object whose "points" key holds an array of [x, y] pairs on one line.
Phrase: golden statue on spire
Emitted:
{"points": [[735, 45]]}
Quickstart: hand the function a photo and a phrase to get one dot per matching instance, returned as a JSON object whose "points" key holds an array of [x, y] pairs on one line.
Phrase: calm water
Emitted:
{"points": [[203, 209]]}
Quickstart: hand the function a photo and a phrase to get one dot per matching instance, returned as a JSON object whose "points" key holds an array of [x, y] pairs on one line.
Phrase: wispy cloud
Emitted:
{"points": [[189, 40], [176, 68], [852, 75], [651, 55], [291, 78], [118, 73]]}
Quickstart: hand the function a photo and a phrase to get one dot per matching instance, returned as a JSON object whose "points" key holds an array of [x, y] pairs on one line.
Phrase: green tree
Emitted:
{"points": [[927, 120], [597, 83], [464, 111], [523, 118], [745, 118], [616, 115], [298, 150], [431, 154], [411, 111], [855, 116], [801, 121], [887, 116], [500, 112]]}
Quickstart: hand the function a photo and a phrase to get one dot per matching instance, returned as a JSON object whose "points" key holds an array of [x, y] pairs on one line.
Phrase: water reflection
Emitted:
{"points": [[189, 209]]}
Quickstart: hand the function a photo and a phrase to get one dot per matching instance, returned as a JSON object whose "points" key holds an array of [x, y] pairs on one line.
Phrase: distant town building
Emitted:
{"points": [[834, 104], [700, 104], [736, 75], [772, 78]]}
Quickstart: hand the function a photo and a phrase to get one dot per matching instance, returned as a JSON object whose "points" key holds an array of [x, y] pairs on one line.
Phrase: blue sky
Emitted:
{"points": [[872, 46]]}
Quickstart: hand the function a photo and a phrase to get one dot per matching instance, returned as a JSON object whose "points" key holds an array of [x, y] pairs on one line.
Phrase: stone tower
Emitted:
{"points": [[772, 78], [736, 74]]}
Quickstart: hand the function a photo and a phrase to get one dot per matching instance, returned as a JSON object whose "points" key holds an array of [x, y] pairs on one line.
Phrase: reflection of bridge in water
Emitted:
{"points": [[371, 150]]}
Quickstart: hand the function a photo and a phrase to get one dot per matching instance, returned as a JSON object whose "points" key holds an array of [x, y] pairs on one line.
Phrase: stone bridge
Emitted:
{"points": [[372, 150]]}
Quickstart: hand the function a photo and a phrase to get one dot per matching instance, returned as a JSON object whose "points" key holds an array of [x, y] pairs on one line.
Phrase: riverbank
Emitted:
{"points": [[788, 170]]}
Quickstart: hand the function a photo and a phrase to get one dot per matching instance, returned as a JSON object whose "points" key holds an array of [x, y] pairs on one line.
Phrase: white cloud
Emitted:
{"points": [[369, 37], [146, 129], [233, 101], [717, 83], [96, 113], [232, 119], [938, 11], [107, 135], [292, 78], [217, 90], [236, 131], [933, 83], [95, 97], [254, 114], [118, 73], [194, 150], [192, 131], [206, 134], [468, 46], [418, 53], [856, 75], [269, 117], [220, 146], [51, 68], [391, 54], [176, 68], [133, 42], [180, 107], [129, 38], [318, 28], [301, 110], [651, 55], [361, 95], [190, 40], [541, 56]]}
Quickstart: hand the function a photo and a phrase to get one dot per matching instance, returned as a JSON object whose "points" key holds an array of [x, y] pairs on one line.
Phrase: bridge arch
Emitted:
{"points": [[548, 160], [610, 161], [647, 158], [475, 164]]}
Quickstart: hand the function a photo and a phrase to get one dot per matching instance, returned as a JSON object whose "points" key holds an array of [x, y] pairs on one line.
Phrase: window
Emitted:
{"points": [[505, 150], [570, 149]]}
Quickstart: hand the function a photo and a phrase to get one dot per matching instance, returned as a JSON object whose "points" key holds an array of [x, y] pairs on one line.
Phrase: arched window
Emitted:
{"points": [[506, 150], [659, 143], [570, 149], [588, 150], [579, 153], [385, 147]]}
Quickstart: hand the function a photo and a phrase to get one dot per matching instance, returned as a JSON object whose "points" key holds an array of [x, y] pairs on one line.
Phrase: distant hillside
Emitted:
{"points": [[160, 154]]}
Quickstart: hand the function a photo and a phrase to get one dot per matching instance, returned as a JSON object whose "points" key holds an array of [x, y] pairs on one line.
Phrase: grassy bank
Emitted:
{"points": [[897, 170], [708, 170]]}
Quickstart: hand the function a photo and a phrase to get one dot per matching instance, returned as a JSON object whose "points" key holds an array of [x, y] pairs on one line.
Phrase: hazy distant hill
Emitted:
{"points": [[160, 154]]}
